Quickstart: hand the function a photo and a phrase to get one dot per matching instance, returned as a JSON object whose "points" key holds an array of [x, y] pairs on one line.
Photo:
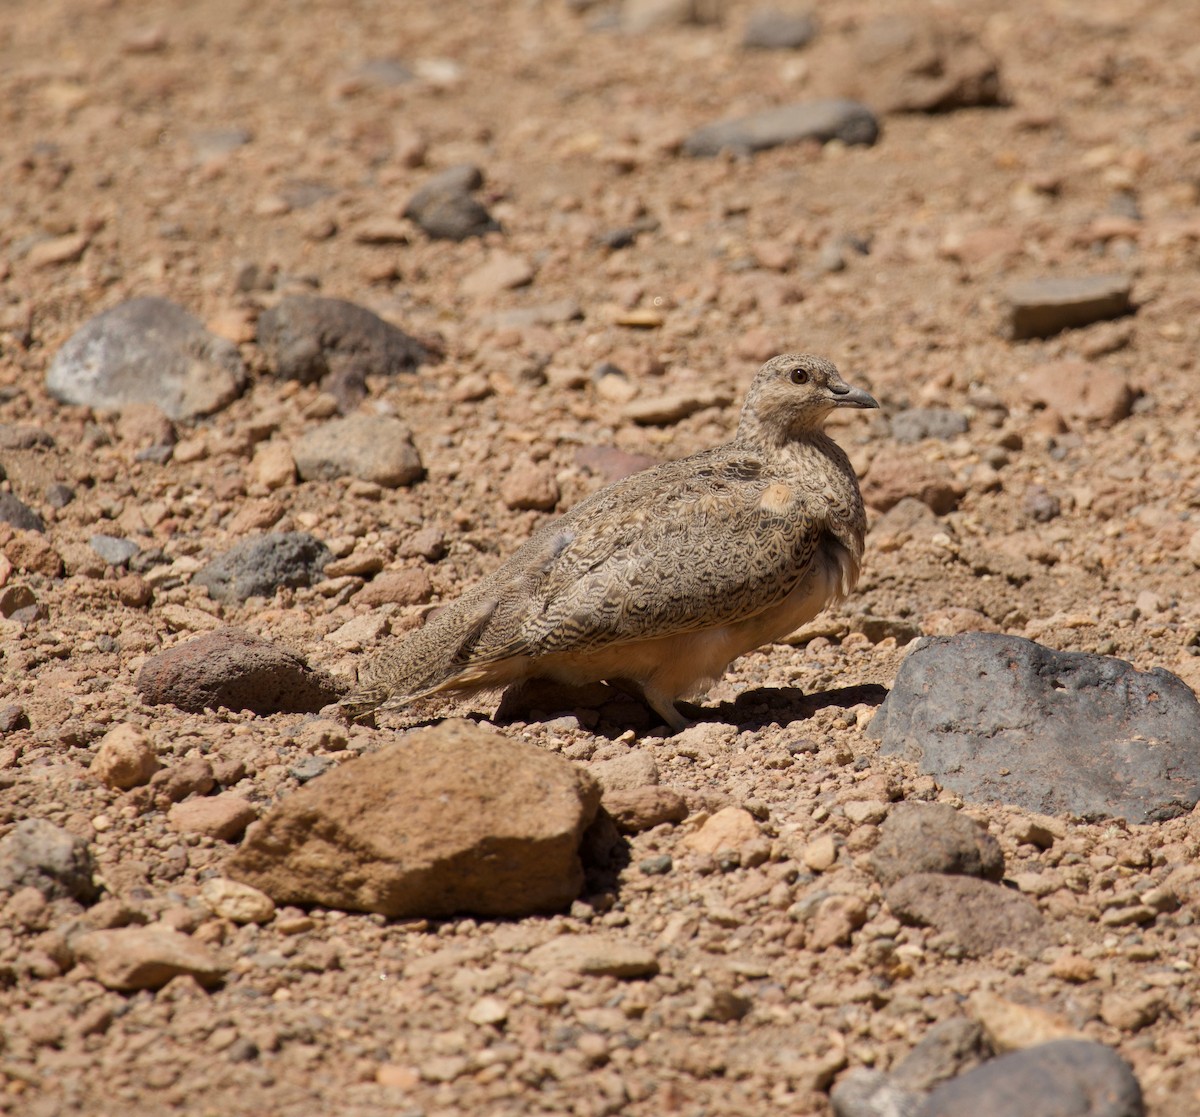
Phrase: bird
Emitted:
{"points": [[659, 581]]}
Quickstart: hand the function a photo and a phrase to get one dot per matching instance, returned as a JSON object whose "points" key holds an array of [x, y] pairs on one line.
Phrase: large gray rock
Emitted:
{"points": [[1001, 719], [147, 350], [260, 565], [1064, 1078], [823, 121], [455, 819], [233, 669], [335, 343], [370, 447], [38, 854]]}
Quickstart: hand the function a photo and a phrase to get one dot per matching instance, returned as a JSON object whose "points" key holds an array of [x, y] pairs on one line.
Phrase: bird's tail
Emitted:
{"points": [[419, 663]]}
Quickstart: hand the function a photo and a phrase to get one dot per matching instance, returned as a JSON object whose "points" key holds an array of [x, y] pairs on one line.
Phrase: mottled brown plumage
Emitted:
{"points": [[662, 579]]}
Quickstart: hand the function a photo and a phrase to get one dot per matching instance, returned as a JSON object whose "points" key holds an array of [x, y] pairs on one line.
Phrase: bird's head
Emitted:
{"points": [[793, 394]]}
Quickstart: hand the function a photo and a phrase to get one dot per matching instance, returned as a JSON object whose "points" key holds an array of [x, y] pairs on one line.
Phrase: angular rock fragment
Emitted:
{"points": [[147, 350], [934, 838], [38, 854], [335, 343], [1001, 719], [233, 669], [373, 448], [445, 209], [848, 121], [132, 958], [593, 956], [979, 916], [18, 514], [258, 566], [454, 819]]}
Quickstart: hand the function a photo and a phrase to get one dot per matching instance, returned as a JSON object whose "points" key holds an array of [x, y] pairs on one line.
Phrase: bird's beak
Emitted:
{"points": [[846, 396]]}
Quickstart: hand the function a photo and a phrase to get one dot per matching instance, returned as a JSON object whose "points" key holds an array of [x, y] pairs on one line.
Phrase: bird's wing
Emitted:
{"points": [[689, 545]]}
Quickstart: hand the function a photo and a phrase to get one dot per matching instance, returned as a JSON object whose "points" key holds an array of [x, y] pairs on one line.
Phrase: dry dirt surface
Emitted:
{"points": [[225, 155]]}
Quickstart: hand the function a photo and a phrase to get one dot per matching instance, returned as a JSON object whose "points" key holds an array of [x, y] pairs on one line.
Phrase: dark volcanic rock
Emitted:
{"points": [[19, 514], [445, 209], [847, 121], [38, 854], [1001, 719], [147, 350], [233, 669], [336, 344], [1043, 307], [1064, 1078], [259, 566]]}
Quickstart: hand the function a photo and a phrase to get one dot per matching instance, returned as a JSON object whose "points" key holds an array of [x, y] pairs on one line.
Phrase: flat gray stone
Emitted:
{"points": [[18, 514], [374, 448], [113, 549], [918, 423], [1001, 719], [1046, 306], [776, 29], [147, 350], [848, 121], [258, 566], [1064, 1078], [445, 209]]}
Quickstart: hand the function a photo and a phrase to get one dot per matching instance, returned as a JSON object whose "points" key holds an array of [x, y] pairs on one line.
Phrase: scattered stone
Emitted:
{"points": [[671, 408], [19, 515], [193, 776], [820, 854], [258, 566], [863, 1092], [530, 486], [1001, 719], [729, 828], [502, 271], [918, 423], [445, 209], [15, 598], [125, 759], [1010, 1026], [900, 63], [375, 448], [224, 817], [436, 826], [592, 956], [658, 865], [847, 121], [232, 900], [12, 718], [147, 350], [951, 1047], [66, 249], [429, 544], [1040, 505], [38, 854], [233, 669], [309, 768], [638, 16], [403, 587], [1059, 1079], [1082, 393], [835, 920], [934, 838], [133, 958], [114, 550], [29, 551], [274, 467], [21, 436], [978, 916], [1046, 306], [776, 29], [336, 344], [896, 474], [631, 771], [644, 808]]}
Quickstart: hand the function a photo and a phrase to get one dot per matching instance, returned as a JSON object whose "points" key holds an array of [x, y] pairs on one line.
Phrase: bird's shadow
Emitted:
{"points": [[756, 709]]}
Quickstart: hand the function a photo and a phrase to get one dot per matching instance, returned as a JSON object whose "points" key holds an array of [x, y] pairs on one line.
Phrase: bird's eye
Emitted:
{"points": [[799, 376]]}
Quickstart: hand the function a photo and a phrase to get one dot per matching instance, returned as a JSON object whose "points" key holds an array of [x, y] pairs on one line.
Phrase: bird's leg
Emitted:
{"points": [[665, 708]]}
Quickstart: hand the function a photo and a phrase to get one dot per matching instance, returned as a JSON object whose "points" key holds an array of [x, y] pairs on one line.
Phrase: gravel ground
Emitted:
{"points": [[225, 156]]}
